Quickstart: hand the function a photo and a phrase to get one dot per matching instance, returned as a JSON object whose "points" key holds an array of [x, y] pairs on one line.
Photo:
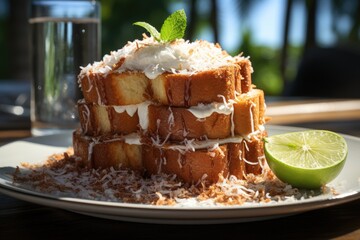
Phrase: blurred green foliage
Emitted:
{"points": [[265, 62], [118, 17], [117, 29]]}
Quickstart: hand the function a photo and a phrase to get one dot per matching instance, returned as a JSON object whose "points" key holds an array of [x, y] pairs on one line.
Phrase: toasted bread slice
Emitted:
{"points": [[190, 162], [245, 71], [243, 116], [180, 108], [96, 120], [105, 152], [173, 89], [236, 159], [209, 86], [115, 88]]}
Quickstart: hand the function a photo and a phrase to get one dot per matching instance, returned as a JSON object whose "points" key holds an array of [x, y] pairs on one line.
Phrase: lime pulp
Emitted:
{"points": [[306, 159]]}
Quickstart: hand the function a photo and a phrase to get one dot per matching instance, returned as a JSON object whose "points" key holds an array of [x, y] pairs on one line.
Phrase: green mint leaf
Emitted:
{"points": [[174, 26], [153, 32]]}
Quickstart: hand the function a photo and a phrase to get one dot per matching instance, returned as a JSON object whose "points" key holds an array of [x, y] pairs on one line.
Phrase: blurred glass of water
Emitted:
{"points": [[65, 36]]}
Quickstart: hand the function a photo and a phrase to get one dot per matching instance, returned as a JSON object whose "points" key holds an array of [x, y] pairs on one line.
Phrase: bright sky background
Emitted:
{"points": [[266, 22]]}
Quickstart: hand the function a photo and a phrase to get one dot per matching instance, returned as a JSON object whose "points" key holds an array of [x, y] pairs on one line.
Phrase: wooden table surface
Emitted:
{"points": [[24, 220]]}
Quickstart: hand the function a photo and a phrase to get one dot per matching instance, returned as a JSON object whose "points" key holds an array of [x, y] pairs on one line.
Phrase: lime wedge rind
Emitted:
{"points": [[307, 159], [288, 149]]}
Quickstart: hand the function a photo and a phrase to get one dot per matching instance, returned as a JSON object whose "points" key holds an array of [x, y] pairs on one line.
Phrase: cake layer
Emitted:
{"points": [[177, 73], [241, 116], [208, 86], [173, 89], [105, 152], [115, 88], [245, 72], [96, 120], [236, 157], [190, 161]]}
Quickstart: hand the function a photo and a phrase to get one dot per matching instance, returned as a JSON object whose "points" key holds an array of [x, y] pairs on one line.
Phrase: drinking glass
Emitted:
{"points": [[65, 36]]}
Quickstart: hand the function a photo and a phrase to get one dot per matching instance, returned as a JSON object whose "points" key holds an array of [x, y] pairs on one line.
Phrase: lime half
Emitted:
{"points": [[306, 159]]}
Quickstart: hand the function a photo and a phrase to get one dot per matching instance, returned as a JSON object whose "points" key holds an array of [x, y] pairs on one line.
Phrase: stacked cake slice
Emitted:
{"points": [[180, 108]]}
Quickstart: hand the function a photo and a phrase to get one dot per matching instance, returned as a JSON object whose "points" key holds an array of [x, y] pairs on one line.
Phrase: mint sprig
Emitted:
{"points": [[153, 32], [173, 27]]}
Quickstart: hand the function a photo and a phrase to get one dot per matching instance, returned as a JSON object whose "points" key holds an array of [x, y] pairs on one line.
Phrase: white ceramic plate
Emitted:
{"points": [[33, 150]]}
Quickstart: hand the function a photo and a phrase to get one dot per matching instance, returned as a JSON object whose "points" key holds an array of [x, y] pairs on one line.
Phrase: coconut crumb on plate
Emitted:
{"points": [[65, 175]]}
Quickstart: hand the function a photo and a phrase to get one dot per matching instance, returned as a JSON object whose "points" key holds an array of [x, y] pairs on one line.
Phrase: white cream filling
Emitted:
{"points": [[252, 117], [86, 117], [192, 144], [129, 109], [141, 109], [154, 58], [143, 113], [131, 139], [200, 111], [206, 110], [186, 146]]}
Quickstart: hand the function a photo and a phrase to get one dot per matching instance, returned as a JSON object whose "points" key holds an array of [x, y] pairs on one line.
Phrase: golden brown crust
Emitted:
{"points": [[236, 159], [96, 120], [191, 166], [115, 88], [175, 123], [173, 89], [183, 90], [169, 122], [184, 124], [245, 72], [237, 165], [107, 152], [81, 146], [252, 106], [255, 155]]}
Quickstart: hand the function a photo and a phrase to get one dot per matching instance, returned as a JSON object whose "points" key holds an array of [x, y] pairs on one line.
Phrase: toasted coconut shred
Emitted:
{"points": [[66, 176]]}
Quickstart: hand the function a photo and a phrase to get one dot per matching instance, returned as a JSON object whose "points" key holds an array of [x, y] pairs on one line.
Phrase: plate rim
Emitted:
{"points": [[126, 210]]}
